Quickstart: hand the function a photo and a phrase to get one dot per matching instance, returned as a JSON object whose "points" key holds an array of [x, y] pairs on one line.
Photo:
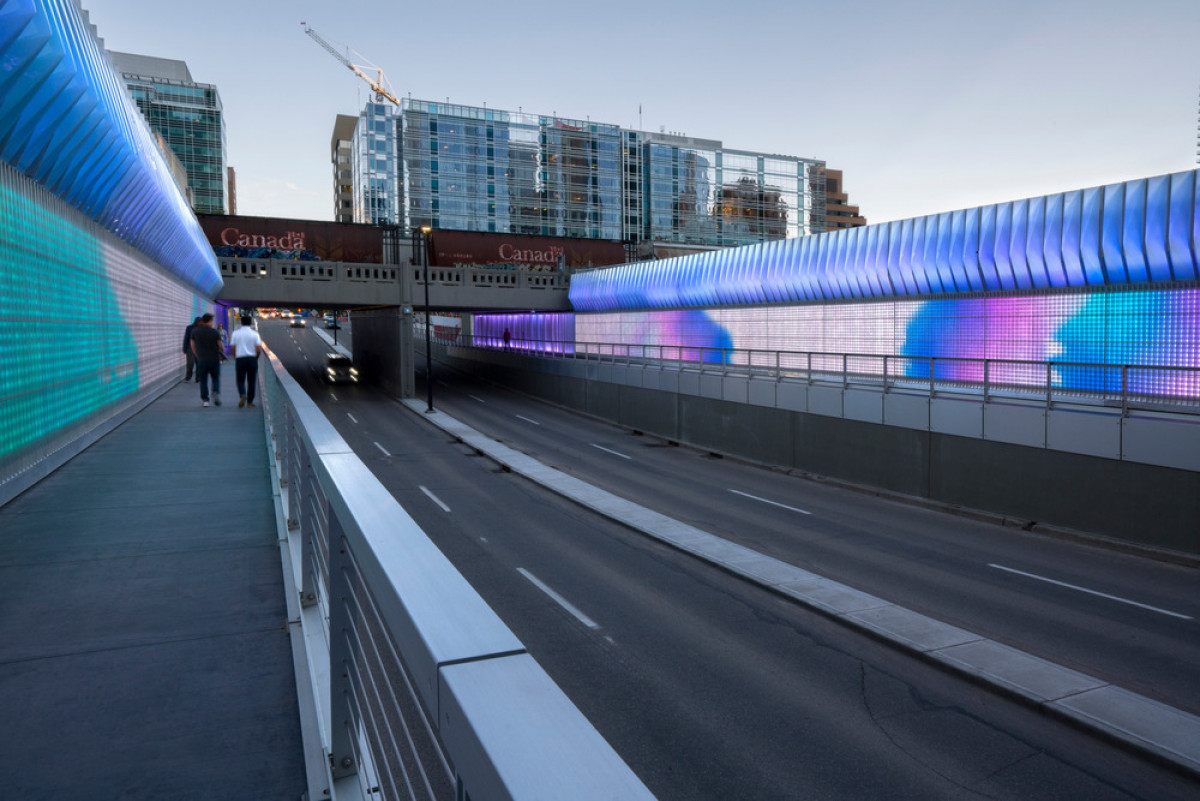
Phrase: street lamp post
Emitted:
{"points": [[424, 241]]}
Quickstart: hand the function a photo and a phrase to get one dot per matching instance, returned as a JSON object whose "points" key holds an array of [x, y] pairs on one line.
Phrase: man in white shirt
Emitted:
{"points": [[246, 344]]}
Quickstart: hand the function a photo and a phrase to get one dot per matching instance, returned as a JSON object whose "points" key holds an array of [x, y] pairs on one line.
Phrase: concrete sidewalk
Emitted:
{"points": [[143, 626]]}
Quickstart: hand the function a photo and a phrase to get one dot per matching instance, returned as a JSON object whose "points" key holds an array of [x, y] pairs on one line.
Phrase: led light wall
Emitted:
{"points": [[87, 322], [1132, 233], [67, 122]]}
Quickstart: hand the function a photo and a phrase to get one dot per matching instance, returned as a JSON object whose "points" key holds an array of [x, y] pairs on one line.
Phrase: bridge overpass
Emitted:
{"points": [[345, 285]]}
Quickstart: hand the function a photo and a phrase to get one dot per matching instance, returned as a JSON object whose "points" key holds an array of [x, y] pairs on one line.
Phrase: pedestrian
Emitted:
{"points": [[187, 350], [507, 338], [206, 345], [247, 345]]}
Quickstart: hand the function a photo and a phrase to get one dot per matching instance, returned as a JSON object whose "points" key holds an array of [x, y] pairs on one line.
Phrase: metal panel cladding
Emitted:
{"points": [[1138, 232], [67, 123]]}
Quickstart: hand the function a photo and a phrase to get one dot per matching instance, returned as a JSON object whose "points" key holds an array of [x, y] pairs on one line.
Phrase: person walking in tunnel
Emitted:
{"points": [[206, 347], [247, 345], [187, 350]]}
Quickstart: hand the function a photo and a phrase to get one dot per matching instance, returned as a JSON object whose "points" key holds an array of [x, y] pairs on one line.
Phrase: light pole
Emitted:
{"points": [[424, 242]]}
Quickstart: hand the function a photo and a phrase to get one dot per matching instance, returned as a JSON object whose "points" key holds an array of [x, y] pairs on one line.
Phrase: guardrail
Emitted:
{"points": [[1155, 387], [421, 690]]}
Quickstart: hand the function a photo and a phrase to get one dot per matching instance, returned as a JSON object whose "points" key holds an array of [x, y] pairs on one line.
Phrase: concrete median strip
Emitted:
{"points": [[1132, 720]]}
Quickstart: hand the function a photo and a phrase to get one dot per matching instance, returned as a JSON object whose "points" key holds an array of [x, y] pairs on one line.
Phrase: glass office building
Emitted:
{"points": [[477, 169], [188, 116], [375, 166]]}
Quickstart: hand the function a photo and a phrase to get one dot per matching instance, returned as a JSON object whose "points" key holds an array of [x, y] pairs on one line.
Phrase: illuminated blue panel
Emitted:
{"points": [[958, 223], [1090, 233], [1183, 257], [1155, 232], [928, 254], [1111, 229], [1035, 243], [987, 248], [939, 245], [1072, 238], [1003, 236], [1052, 241], [898, 257], [67, 122], [1133, 233], [970, 250], [1017, 245]]}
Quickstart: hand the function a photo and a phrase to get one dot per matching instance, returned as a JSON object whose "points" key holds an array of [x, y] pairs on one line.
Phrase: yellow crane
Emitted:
{"points": [[381, 92]]}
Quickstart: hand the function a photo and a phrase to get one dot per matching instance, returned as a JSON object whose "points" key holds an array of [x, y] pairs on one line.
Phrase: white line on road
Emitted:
{"points": [[385, 453], [614, 453], [436, 499], [481, 400], [351, 418], [1090, 592], [333, 396], [558, 599], [773, 503], [527, 420]]}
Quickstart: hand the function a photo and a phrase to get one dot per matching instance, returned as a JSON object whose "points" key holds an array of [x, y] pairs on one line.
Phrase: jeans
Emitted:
{"points": [[247, 376], [203, 371]]}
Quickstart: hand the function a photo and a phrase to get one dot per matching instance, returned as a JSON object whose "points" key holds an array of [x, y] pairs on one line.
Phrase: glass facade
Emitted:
{"points": [[376, 162], [190, 120], [465, 168]]}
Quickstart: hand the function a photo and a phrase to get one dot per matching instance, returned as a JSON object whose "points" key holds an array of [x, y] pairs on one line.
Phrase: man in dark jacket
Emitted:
{"points": [[206, 346], [187, 350]]}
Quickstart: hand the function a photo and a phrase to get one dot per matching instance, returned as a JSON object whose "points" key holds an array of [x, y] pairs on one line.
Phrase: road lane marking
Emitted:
{"points": [[558, 599], [385, 453], [333, 396], [481, 400], [435, 499], [773, 503], [352, 418], [527, 420], [1090, 592], [614, 453]]}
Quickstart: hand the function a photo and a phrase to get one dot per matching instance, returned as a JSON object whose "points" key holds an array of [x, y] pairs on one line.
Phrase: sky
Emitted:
{"points": [[925, 105]]}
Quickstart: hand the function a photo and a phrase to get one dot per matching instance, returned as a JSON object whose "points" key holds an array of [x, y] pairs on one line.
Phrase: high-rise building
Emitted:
{"points": [[470, 168], [839, 213], [341, 148], [189, 118]]}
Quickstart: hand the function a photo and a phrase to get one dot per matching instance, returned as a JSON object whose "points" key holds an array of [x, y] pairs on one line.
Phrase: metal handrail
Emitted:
{"points": [[425, 693], [1168, 387]]}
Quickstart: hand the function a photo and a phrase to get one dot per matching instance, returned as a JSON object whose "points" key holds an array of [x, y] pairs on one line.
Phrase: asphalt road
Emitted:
{"points": [[711, 687]]}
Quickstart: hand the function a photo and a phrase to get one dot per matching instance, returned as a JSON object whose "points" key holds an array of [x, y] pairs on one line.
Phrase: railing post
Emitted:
{"points": [[343, 620], [1124, 390], [845, 373], [986, 363], [931, 358], [1049, 385]]}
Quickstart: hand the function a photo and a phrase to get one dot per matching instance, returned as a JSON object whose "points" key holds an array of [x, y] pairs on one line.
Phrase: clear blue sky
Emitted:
{"points": [[927, 106]]}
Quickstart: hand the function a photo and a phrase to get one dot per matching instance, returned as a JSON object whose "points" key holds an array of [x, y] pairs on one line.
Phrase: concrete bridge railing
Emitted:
{"points": [[327, 284], [417, 688]]}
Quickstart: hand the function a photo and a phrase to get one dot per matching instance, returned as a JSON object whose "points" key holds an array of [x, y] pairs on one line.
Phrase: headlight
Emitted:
{"points": [[354, 371]]}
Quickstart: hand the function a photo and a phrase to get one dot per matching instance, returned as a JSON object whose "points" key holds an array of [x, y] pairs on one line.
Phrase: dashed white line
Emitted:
{"points": [[333, 396], [1089, 592], [558, 599], [614, 453], [773, 503], [481, 400], [385, 453], [527, 420], [435, 499], [352, 419]]}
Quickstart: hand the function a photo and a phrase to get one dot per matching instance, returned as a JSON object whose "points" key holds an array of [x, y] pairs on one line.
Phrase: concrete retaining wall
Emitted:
{"points": [[905, 444]]}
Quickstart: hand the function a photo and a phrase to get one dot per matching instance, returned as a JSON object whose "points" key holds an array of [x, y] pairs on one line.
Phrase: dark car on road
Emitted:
{"points": [[340, 369]]}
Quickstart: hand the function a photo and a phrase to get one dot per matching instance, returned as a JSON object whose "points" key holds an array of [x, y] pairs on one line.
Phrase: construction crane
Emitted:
{"points": [[381, 91]]}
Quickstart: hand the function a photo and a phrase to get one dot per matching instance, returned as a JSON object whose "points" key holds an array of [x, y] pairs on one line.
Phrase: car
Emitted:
{"points": [[297, 321], [340, 369], [331, 322]]}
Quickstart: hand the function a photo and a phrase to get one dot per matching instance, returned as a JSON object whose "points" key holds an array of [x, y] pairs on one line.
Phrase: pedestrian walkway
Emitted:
{"points": [[144, 651]]}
